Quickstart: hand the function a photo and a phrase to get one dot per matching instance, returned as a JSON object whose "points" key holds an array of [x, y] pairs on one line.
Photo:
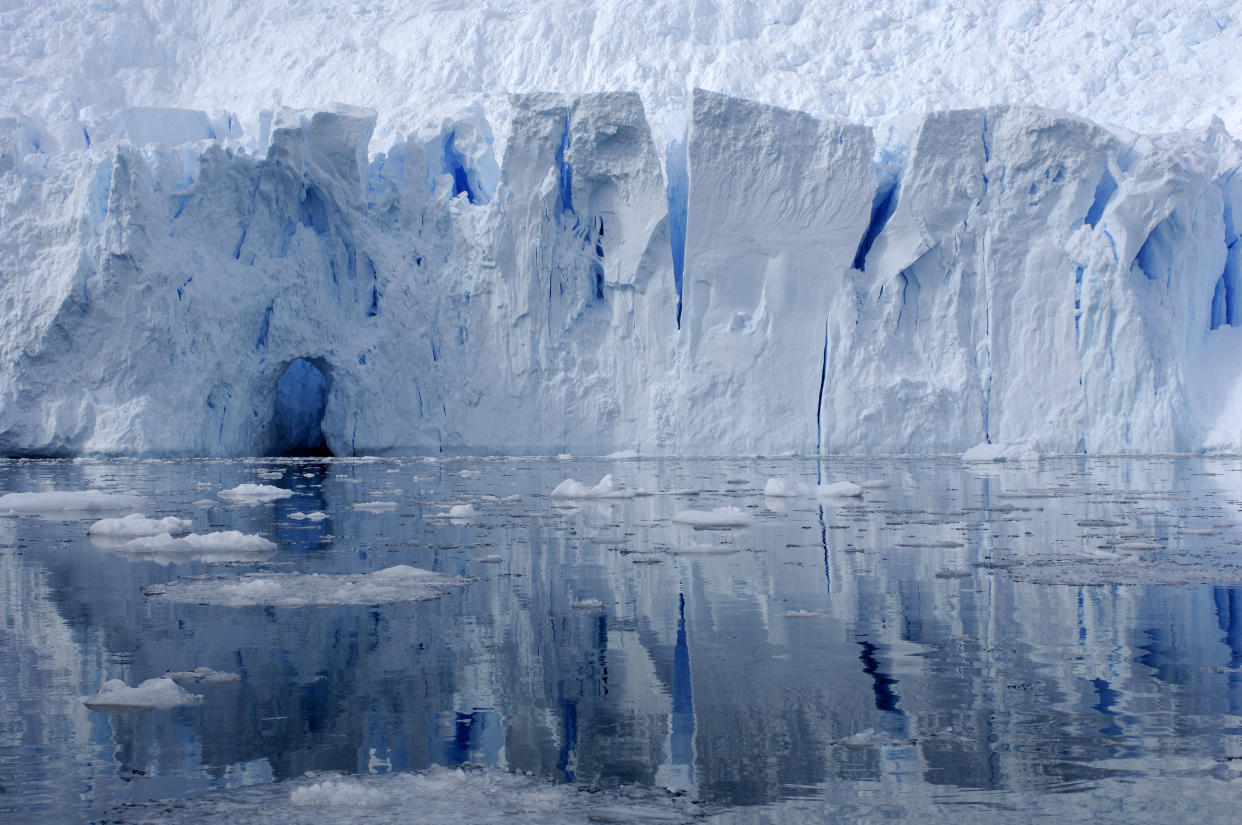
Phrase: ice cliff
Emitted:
{"points": [[770, 282]]}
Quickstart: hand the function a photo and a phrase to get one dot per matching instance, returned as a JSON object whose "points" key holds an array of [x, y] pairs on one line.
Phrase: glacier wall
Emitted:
{"points": [[767, 281]]}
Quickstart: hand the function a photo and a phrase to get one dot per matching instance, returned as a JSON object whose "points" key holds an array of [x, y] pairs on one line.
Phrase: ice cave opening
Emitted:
{"points": [[301, 397]]}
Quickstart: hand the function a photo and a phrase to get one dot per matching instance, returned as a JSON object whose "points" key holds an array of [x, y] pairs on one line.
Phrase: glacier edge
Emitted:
{"points": [[1032, 278]]}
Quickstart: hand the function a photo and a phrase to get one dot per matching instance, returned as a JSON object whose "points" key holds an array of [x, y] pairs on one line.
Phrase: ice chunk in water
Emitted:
{"points": [[136, 524], [605, 489], [159, 693], [254, 493]]}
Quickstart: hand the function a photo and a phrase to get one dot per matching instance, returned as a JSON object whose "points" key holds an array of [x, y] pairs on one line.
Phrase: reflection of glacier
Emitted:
{"points": [[692, 676], [766, 282]]}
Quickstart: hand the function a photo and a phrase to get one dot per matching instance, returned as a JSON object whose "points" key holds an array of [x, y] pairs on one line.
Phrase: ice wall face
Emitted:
{"points": [[1026, 278]]}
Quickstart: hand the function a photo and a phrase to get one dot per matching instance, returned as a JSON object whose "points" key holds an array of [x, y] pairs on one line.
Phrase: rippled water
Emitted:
{"points": [[975, 643]]}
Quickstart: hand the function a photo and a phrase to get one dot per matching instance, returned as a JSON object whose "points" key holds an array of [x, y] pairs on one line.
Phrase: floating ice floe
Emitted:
{"points": [[254, 493], [492, 559], [587, 604], [803, 614], [872, 738], [154, 694], [62, 501], [375, 506], [839, 489], [225, 540], [461, 511], [392, 585], [457, 795], [779, 488], [317, 515], [605, 489], [720, 517], [136, 524], [202, 675], [701, 550]]}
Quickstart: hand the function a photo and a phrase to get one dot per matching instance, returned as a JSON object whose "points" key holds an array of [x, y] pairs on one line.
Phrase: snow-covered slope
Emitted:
{"points": [[660, 270]]}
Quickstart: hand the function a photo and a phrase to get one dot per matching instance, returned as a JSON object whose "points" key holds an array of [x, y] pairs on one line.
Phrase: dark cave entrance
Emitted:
{"points": [[301, 398]]}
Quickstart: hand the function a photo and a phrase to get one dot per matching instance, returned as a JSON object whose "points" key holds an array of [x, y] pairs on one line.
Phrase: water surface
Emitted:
{"points": [[1000, 643]]}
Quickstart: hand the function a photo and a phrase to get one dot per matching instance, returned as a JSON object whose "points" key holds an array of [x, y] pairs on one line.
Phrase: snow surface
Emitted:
{"points": [[154, 694], [137, 524], [400, 583], [808, 227]]}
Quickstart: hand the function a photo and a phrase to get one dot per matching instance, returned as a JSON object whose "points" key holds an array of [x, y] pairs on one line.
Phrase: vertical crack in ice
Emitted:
{"points": [[678, 191], [819, 406], [882, 207], [254, 193], [455, 165], [1103, 193], [566, 172]]}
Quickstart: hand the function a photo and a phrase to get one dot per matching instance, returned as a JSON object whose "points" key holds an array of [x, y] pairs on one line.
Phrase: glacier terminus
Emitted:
{"points": [[766, 282]]}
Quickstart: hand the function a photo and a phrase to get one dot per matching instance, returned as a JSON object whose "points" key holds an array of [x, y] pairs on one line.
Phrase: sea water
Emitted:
{"points": [[966, 642]]}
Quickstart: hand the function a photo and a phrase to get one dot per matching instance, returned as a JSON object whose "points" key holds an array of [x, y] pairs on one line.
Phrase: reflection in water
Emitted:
{"points": [[885, 655]]}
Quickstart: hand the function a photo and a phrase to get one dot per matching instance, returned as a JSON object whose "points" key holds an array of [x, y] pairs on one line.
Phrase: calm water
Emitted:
{"points": [[998, 643]]}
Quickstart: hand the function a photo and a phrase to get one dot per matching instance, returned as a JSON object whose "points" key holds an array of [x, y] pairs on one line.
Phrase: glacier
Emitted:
{"points": [[769, 282]]}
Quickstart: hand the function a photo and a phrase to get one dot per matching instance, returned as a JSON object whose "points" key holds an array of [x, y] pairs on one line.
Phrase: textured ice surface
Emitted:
{"points": [[154, 694], [401, 583]]}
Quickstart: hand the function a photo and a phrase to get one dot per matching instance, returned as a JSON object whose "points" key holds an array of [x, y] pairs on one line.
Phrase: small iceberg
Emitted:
{"points": [[254, 494], [569, 488], [154, 694], [136, 525]]}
